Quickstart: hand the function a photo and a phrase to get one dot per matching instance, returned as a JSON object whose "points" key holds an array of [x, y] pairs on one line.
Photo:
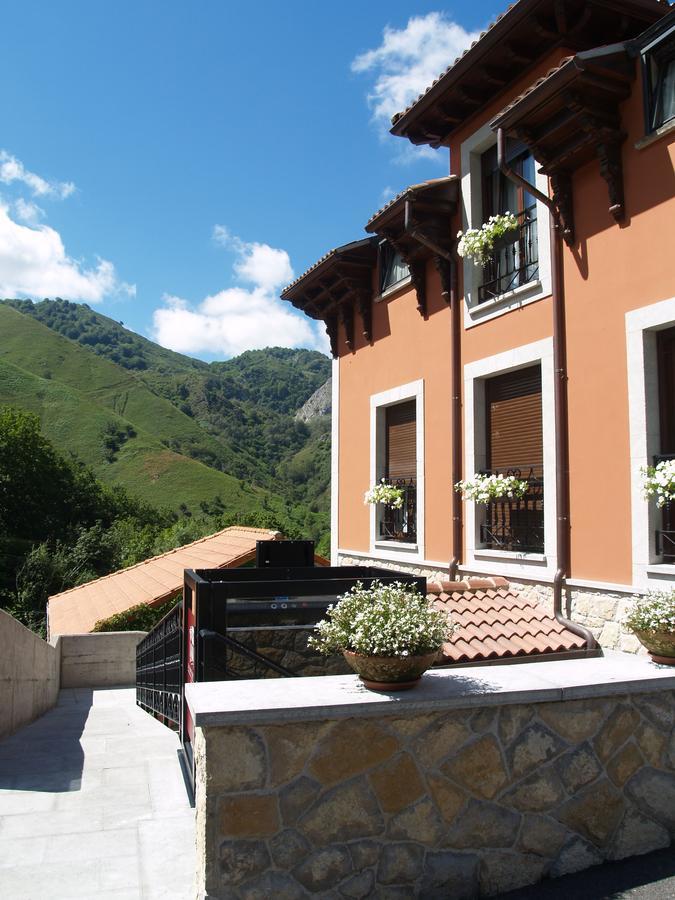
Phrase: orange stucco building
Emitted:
{"points": [[554, 359]]}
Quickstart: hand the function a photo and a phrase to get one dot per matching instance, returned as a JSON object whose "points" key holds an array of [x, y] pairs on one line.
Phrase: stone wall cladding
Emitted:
{"points": [[465, 803], [602, 611], [286, 648]]}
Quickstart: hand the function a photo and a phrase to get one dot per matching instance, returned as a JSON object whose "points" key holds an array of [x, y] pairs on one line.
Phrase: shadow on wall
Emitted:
{"points": [[47, 754]]}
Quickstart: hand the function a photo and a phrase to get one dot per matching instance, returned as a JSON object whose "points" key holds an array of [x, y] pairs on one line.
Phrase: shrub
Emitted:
{"points": [[138, 618]]}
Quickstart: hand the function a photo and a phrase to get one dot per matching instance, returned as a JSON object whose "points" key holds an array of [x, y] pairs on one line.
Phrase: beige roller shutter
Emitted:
{"points": [[514, 429], [401, 432]]}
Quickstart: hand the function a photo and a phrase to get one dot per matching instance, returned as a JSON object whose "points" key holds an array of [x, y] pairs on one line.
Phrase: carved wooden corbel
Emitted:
{"points": [[347, 319], [561, 182], [418, 276], [611, 169], [364, 302], [445, 271], [331, 331]]}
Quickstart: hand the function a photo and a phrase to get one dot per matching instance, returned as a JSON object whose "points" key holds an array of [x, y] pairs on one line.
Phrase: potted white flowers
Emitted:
{"points": [[478, 243], [659, 481], [652, 620], [385, 493], [388, 633], [486, 488]]}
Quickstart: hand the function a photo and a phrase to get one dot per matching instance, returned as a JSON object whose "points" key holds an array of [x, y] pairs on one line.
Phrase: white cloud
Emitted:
{"points": [[27, 211], [239, 318], [34, 263], [406, 63], [12, 169]]}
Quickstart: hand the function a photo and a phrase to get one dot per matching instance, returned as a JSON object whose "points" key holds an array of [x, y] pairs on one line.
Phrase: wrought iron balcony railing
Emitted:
{"points": [[665, 535], [513, 524], [514, 261], [401, 524]]}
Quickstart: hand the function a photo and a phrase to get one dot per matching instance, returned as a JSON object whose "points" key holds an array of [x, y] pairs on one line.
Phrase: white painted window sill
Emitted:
{"points": [[649, 139], [393, 289], [509, 554], [396, 545], [504, 299], [661, 569]]}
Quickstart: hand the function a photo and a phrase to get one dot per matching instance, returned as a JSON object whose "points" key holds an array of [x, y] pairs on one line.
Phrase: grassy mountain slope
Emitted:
{"points": [[142, 464]]}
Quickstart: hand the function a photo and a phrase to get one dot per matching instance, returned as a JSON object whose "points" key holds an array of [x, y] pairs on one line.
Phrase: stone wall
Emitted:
{"points": [[461, 803], [29, 675], [601, 611], [285, 647]]}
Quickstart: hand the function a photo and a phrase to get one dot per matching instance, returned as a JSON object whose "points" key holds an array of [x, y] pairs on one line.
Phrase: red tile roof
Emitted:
{"points": [[495, 622]]}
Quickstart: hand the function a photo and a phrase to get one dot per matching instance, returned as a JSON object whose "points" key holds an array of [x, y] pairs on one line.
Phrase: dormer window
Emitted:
{"points": [[392, 267], [659, 69]]}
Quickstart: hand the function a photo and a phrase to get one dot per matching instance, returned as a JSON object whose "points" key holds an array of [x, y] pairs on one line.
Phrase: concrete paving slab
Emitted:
{"points": [[92, 804]]}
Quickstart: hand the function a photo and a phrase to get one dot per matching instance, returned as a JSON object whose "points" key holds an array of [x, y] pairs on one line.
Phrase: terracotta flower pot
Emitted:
{"points": [[390, 673], [660, 645]]}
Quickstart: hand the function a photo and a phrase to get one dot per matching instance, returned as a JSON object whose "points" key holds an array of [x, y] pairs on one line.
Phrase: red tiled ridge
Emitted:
{"points": [[495, 622]]}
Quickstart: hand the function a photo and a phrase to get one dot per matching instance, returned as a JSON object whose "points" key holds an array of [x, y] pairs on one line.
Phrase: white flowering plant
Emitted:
{"points": [[485, 488], [653, 612], [659, 481], [385, 493], [478, 243], [392, 619]]}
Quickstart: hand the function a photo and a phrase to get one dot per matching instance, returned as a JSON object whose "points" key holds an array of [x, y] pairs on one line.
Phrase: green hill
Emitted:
{"points": [[144, 417], [142, 464]]}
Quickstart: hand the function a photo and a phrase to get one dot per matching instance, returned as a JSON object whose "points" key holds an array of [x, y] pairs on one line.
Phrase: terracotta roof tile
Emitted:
{"points": [[76, 611], [495, 622]]}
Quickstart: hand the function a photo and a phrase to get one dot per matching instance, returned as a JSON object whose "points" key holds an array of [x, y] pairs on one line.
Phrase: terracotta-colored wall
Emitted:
{"points": [[611, 270]]}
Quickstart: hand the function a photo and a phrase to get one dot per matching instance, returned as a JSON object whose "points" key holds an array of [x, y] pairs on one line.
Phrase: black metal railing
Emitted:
{"points": [[401, 524], [158, 668], [665, 535], [514, 260], [516, 524]]}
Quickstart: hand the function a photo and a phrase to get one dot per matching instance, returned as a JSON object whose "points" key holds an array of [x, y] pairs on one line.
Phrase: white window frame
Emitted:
{"points": [[642, 326], [483, 559], [396, 550], [472, 217]]}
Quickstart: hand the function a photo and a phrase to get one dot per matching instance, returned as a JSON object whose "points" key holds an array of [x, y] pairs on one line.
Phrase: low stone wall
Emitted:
{"points": [[99, 660], [475, 783], [29, 675], [602, 611]]}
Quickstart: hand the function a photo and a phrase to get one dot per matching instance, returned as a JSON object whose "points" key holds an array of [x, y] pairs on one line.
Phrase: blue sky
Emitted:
{"points": [[174, 164]]}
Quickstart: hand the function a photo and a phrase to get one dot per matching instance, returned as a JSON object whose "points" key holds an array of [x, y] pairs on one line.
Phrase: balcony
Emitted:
{"points": [[665, 535], [401, 524], [514, 261], [512, 524]]}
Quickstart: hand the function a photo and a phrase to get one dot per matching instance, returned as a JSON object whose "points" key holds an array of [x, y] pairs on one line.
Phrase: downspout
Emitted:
{"points": [[455, 388], [562, 484]]}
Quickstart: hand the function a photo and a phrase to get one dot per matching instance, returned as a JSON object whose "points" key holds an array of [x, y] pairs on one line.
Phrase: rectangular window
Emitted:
{"points": [[659, 69], [665, 351], [514, 446], [515, 259], [392, 267], [400, 469]]}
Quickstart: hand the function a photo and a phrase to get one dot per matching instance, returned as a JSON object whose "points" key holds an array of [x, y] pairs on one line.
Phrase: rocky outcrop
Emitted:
{"points": [[319, 404]]}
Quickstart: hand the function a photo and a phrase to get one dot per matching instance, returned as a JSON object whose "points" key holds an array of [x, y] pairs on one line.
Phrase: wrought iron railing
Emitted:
{"points": [[514, 261], [401, 524], [665, 535], [158, 668], [513, 524]]}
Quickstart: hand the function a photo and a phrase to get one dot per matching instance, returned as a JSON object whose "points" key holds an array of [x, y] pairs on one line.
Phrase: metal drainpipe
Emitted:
{"points": [[559, 394], [455, 389]]}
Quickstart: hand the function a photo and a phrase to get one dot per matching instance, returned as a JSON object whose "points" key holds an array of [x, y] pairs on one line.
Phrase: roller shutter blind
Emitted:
{"points": [[666, 364], [514, 425], [401, 437]]}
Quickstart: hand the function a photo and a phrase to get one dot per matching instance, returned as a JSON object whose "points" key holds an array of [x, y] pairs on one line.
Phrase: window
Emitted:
{"points": [[514, 446], [515, 261], [392, 267], [400, 469], [659, 70], [665, 353]]}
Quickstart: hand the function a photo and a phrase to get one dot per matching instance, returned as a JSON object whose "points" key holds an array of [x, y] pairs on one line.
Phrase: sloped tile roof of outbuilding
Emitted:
{"points": [[495, 622], [153, 581]]}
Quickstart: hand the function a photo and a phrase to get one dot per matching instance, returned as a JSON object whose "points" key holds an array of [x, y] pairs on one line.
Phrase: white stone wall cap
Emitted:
{"points": [[343, 696]]}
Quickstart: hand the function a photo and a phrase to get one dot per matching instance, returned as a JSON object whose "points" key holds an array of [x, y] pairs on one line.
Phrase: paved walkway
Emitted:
{"points": [[92, 804]]}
